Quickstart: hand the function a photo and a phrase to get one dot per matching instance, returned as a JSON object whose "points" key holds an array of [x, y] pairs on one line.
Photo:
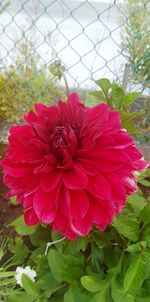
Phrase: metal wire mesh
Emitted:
{"points": [[83, 35], [83, 38]]}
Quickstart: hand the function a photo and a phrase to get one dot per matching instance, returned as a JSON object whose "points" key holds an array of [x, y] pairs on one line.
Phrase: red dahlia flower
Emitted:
{"points": [[71, 166]]}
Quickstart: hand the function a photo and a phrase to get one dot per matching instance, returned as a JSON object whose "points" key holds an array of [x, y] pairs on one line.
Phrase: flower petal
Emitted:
{"points": [[28, 202], [83, 226], [45, 205], [31, 117], [88, 166], [30, 217], [75, 179], [79, 204], [97, 115], [102, 212], [62, 224], [118, 190], [73, 99], [17, 170], [99, 186], [49, 181]]}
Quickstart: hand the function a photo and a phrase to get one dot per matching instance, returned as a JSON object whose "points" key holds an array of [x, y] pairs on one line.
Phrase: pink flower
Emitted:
{"points": [[71, 166]]}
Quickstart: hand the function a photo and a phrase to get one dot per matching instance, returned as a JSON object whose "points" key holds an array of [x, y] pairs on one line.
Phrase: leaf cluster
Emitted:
{"points": [[109, 266], [117, 98]]}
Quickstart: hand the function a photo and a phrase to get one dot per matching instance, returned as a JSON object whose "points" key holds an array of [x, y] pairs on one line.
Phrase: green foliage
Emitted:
{"points": [[110, 266], [30, 287], [25, 83], [135, 274], [19, 253], [136, 39], [127, 225], [117, 98], [21, 227], [61, 266], [93, 283]]}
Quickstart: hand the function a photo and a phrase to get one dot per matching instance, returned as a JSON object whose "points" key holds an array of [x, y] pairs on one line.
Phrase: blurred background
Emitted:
{"points": [[50, 46]]}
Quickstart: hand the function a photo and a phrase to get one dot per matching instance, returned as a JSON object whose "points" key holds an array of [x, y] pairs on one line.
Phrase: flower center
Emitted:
{"points": [[60, 136], [63, 144]]}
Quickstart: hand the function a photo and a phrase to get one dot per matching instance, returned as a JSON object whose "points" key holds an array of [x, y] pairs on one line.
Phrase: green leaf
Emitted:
{"points": [[135, 274], [134, 248], [56, 236], [97, 258], [99, 96], [47, 282], [137, 201], [105, 85], [145, 174], [75, 246], [15, 248], [1, 253], [112, 262], [146, 234], [12, 200], [145, 183], [117, 95], [40, 236], [7, 274], [127, 226], [145, 215], [65, 267], [101, 239], [129, 126], [101, 296], [93, 283], [56, 264], [20, 297], [29, 286], [130, 98], [125, 116], [142, 299], [21, 228], [118, 292], [76, 294], [126, 120]]}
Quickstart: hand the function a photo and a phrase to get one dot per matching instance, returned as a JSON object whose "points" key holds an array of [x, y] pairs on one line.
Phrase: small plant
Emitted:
{"points": [[116, 97]]}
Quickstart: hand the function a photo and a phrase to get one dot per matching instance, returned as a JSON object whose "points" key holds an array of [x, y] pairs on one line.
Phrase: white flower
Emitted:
{"points": [[27, 271]]}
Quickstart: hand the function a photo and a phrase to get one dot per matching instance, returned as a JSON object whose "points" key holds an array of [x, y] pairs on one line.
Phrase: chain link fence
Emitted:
{"points": [[86, 38]]}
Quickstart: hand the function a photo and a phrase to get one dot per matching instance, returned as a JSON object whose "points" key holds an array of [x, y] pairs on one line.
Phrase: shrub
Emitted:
{"points": [[136, 39], [24, 83]]}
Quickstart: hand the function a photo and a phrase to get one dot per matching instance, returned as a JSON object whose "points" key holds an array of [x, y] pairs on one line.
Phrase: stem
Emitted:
{"points": [[5, 264], [117, 270], [51, 291], [66, 83], [52, 243], [142, 228]]}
